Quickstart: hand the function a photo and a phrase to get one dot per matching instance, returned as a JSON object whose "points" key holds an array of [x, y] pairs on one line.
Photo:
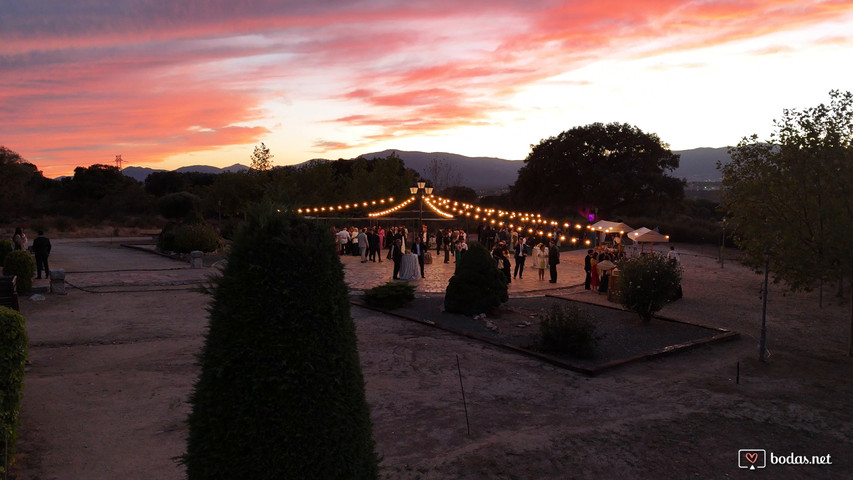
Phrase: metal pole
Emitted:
{"points": [[762, 346], [464, 402], [723, 245]]}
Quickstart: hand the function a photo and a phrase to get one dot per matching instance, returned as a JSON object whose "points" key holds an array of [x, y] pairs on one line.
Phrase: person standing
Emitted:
{"points": [[374, 245], [593, 271], [19, 239], [673, 254], [587, 267], [540, 255], [343, 239], [361, 240], [501, 255], [418, 249], [447, 245], [397, 256], [41, 249], [520, 257], [461, 248], [553, 260]]}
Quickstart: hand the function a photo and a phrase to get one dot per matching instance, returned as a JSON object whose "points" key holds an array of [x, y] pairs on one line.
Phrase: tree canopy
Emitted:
{"points": [[792, 196], [616, 168]]}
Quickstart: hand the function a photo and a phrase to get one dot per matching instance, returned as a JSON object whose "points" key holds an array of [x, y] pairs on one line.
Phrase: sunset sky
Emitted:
{"points": [[167, 83]]}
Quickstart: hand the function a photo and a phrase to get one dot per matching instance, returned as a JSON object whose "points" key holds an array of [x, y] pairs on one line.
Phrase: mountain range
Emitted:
{"points": [[489, 173]]}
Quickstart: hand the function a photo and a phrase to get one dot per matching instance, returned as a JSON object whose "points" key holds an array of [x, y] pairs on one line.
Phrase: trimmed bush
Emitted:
{"points": [[390, 295], [568, 330], [281, 392], [477, 286], [22, 265], [178, 205], [13, 357], [188, 237], [647, 283], [5, 249]]}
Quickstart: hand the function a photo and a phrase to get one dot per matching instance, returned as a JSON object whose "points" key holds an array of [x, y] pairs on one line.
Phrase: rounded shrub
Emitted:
{"points": [[22, 265], [185, 238], [568, 330], [390, 295], [477, 286], [281, 392], [178, 205], [13, 357], [647, 283]]}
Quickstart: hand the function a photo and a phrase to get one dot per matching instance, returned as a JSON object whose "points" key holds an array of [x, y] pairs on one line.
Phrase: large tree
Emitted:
{"points": [[792, 195], [22, 185], [615, 168]]}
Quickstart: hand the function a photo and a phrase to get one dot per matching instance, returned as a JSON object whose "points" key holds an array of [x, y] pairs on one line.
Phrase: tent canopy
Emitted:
{"points": [[645, 235], [610, 227]]}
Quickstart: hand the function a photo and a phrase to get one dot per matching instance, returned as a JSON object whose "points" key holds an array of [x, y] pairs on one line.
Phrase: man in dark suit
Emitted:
{"points": [[419, 249], [41, 249], [553, 260], [397, 256], [587, 266]]}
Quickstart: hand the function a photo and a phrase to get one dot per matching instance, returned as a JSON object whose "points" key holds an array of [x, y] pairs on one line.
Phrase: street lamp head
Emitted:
{"points": [[421, 184], [414, 190], [428, 190]]}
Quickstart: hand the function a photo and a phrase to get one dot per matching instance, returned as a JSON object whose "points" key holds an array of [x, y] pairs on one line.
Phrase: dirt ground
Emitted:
{"points": [[113, 362]]}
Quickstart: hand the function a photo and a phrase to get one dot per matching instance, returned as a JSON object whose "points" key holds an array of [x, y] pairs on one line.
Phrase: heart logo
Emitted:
{"points": [[751, 457]]}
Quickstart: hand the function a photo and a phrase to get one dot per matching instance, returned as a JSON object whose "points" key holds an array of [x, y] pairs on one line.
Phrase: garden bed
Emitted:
{"points": [[515, 326]]}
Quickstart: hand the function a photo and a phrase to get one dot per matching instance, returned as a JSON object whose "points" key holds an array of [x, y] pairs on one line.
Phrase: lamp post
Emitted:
{"points": [[723, 245], [762, 345], [420, 190]]}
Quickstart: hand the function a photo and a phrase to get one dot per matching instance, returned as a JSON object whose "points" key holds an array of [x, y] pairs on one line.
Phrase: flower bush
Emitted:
{"points": [[647, 283]]}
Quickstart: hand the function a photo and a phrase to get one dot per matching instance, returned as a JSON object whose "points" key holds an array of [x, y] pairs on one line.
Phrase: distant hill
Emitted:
{"points": [[479, 173], [700, 164], [141, 173], [489, 173]]}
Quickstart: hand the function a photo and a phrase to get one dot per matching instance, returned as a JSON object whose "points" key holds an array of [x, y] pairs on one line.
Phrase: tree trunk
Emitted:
{"points": [[850, 342]]}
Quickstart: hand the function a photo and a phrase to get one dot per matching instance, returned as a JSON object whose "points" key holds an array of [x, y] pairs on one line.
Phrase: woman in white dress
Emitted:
{"points": [[540, 254]]}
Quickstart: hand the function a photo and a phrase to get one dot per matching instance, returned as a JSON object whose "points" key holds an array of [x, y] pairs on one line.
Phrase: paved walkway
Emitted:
{"points": [[362, 276], [102, 265]]}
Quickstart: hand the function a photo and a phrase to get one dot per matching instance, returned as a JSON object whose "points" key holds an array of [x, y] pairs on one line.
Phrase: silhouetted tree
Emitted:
{"points": [[616, 168], [261, 158], [792, 196]]}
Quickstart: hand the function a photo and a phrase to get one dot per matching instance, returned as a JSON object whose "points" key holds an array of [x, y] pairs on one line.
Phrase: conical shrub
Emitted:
{"points": [[281, 393], [477, 286]]}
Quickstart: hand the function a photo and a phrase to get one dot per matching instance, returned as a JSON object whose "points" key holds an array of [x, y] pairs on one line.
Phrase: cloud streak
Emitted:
{"points": [[153, 79]]}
